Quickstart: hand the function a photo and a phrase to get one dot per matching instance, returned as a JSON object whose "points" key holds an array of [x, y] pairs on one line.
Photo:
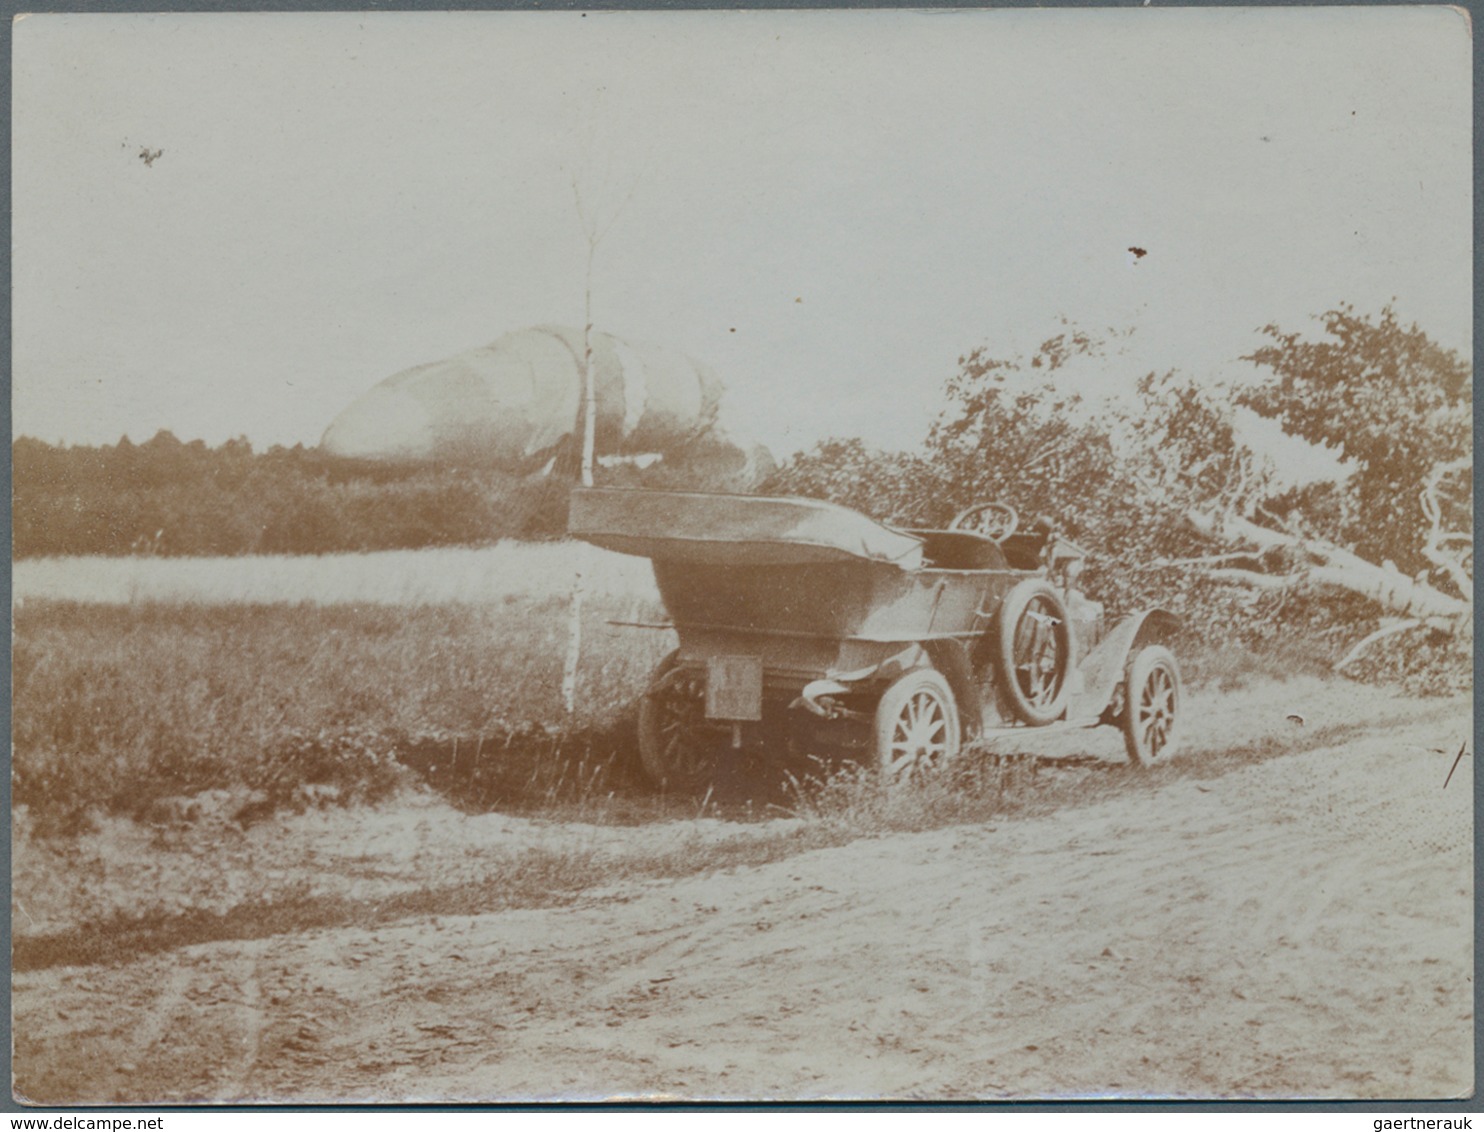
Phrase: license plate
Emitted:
{"points": [[734, 687]]}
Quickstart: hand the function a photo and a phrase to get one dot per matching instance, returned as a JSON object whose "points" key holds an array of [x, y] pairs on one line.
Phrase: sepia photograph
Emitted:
{"points": [[801, 556]]}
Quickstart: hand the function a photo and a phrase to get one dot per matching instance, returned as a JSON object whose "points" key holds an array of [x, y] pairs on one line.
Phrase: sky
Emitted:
{"points": [[828, 208]]}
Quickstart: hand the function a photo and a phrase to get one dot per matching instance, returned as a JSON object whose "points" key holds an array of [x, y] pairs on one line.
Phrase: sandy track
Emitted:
{"points": [[1299, 927]]}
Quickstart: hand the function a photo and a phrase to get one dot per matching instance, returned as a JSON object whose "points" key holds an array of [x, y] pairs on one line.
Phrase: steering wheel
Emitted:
{"points": [[993, 520]]}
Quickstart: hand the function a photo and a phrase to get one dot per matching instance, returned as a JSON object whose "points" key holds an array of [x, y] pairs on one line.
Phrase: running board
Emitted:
{"points": [[1061, 728]]}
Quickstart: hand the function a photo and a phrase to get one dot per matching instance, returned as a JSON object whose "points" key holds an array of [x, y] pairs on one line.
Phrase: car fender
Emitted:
{"points": [[1103, 667], [951, 658], [837, 682], [948, 656]]}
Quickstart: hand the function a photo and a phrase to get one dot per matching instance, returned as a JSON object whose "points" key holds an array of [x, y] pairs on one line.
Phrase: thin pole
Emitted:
{"points": [[589, 386]]}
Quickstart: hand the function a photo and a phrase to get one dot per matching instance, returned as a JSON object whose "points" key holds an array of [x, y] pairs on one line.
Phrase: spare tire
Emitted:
{"points": [[1033, 652]]}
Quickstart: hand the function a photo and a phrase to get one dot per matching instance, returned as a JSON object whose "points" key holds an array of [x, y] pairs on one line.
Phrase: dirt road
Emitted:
{"points": [[1300, 927]]}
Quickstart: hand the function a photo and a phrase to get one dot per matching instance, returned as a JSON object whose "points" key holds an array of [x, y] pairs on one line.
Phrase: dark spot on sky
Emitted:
{"points": [[148, 155], [1139, 253]]}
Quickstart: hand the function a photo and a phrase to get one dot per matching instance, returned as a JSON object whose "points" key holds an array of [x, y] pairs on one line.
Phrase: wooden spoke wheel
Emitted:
{"points": [[676, 749], [917, 726], [1151, 715]]}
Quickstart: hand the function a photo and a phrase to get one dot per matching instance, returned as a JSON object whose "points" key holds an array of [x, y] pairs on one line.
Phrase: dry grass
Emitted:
{"points": [[1226, 728], [123, 707], [978, 787]]}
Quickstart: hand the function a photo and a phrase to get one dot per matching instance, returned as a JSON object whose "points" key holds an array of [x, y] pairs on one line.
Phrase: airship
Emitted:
{"points": [[515, 403]]}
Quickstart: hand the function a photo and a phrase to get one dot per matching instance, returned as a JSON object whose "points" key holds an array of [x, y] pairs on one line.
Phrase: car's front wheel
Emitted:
{"points": [[1151, 713]]}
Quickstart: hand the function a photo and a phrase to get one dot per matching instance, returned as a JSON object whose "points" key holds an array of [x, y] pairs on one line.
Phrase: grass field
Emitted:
{"points": [[443, 576], [122, 706], [291, 680]]}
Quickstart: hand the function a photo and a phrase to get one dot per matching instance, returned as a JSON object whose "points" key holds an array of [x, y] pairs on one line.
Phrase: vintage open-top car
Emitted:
{"points": [[796, 616]]}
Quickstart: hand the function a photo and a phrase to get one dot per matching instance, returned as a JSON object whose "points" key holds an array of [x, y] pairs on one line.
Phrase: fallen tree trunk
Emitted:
{"points": [[1330, 565]]}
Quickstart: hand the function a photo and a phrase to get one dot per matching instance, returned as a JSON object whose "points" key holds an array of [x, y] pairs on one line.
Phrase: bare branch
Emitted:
{"points": [[1210, 559], [1256, 579], [1045, 454], [1437, 537], [1379, 634]]}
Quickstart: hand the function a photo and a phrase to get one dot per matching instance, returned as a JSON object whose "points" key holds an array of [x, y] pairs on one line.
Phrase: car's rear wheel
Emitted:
{"points": [[1033, 642], [676, 750], [1151, 714], [917, 726]]}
